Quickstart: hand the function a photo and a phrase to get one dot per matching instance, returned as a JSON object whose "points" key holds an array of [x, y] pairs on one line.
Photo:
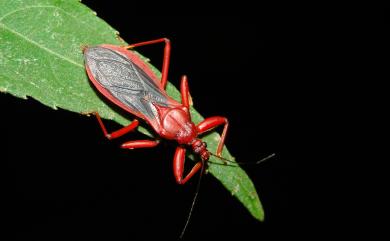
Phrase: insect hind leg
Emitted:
{"points": [[166, 57]]}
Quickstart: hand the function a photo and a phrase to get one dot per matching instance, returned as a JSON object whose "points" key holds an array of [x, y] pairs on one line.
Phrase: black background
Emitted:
{"points": [[268, 72]]}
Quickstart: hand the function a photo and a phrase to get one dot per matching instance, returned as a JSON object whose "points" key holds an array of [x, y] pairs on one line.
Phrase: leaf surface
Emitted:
{"points": [[41, 56]]}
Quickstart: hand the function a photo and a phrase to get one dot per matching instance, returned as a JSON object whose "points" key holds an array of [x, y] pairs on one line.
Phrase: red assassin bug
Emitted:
{"points": [[123, 78]]}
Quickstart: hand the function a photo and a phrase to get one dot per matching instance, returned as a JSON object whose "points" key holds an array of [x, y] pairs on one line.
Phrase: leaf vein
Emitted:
{"points": [[41, 46]]}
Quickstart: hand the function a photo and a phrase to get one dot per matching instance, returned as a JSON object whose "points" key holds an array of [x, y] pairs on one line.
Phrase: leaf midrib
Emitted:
{"points": [[32, 41]]}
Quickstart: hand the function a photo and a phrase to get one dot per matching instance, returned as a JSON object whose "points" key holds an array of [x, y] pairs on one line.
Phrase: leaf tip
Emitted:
{"points": [[261, 217], [258, 213]]}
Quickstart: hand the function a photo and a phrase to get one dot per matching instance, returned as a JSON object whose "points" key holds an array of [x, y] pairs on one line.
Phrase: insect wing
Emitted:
{"points": [[122, 81]]}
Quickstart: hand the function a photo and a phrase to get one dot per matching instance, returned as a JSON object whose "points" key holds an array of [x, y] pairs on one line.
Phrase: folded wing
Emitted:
{"points": [[126, 82]]}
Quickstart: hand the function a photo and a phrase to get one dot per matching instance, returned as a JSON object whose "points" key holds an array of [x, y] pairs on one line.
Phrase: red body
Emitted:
{"points": [[170, 119], [173, 122]]}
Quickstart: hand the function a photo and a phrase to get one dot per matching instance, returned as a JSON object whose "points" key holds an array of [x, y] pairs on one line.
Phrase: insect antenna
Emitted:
{"points": [[242, 163], [193, 200]]}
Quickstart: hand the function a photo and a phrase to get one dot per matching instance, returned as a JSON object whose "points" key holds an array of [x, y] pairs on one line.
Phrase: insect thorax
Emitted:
{"points": [[177, 125]]}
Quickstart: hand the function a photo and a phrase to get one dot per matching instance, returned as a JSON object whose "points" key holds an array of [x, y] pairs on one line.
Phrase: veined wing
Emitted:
{"points": [[124, 82]]}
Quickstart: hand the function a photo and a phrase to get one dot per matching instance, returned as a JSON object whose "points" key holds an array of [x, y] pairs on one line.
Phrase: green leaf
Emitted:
{"points": [[41, 57]]}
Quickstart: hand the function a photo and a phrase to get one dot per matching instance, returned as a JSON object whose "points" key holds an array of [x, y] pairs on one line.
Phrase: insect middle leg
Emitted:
{"points": [[186, 99], [130, 144], [166, 57], [117, 133], [208, 123]]}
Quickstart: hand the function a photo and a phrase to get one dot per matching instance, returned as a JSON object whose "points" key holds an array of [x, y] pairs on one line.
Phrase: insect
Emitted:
{"points": [[124, 79]]}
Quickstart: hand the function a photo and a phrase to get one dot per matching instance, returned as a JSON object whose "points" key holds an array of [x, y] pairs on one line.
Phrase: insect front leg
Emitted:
{"points": [[117, 133], [139, 144], [166, 57], [178, 166], [212, 122]]}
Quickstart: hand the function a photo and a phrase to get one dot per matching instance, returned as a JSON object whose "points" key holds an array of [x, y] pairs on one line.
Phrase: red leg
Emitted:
{"points": [[124, 130], [166, 58], [212, 122], [139, 144], [178, 166], [186, 99], [119, 132]]}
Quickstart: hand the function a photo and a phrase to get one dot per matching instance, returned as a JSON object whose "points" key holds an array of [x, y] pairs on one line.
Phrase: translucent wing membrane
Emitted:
{"points": [[125, 81]]}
